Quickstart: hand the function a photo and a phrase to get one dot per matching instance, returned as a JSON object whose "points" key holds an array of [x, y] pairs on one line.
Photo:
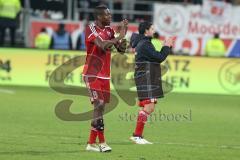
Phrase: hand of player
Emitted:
{"points": [[169, 42], [122, 46], [123, 28]]}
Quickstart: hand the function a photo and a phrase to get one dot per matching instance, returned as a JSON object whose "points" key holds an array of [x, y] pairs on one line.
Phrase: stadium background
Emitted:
{"points": [[205, 89]]}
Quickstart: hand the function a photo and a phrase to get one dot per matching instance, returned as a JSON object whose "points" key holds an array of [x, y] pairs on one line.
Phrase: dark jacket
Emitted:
{"points": [[146, 51], [147, 69]]}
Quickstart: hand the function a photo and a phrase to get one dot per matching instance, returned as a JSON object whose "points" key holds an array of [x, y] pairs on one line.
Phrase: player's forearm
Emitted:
{"points": [[165, 51], [117, 39], [155, 55], [103, 44], [106, 44], [109, 43]]}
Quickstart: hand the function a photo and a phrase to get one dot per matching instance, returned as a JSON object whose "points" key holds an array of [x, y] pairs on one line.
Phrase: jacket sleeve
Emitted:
{"points": [[150, 52]]}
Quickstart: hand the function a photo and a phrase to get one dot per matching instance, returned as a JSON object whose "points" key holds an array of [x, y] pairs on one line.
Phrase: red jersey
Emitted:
{"points": [[98, 61]]}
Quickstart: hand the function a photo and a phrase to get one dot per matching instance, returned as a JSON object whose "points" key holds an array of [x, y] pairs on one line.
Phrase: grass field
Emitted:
{"points": [[29, 129]]}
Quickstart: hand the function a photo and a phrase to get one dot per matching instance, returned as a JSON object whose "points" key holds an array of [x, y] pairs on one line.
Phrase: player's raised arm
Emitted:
{"points": [[106, 44], [118, 42], [102, 20], [151, 52]]}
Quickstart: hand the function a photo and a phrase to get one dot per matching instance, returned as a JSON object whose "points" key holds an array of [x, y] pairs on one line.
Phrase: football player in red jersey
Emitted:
{"points": [[99, 38]]}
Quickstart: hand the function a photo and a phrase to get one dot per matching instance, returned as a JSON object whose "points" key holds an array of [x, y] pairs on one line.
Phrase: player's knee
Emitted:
{"points": [[152, 110], [149, 108], [98, 124]]}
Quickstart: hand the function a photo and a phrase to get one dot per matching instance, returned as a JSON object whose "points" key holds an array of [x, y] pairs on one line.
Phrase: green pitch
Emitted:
{"points": [[195, 127]]}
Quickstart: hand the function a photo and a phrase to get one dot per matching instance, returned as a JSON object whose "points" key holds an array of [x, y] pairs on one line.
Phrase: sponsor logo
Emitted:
{"points": [[170, 20], [229, 76], [5, 69]]}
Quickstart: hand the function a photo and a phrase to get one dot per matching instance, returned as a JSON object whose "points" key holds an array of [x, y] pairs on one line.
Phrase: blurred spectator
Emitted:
{"points": [[81, 41], [157, 43], [78, 36], [61, 39], [9, 11], [215, 47], [43, 40]]}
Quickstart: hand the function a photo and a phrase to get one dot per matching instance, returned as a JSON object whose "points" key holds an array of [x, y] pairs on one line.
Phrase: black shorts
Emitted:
{"points": [[148, 80], [7, 22]]}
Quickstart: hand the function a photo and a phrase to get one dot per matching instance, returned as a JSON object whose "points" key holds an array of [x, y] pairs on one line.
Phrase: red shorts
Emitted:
{"points": [[98, 88], [142, 103]]}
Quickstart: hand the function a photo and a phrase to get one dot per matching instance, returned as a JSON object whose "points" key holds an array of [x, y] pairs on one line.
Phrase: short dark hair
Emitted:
{"points": [[216, 35], [143, 26], [99, 10], [156, 35], [43, 29]]}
